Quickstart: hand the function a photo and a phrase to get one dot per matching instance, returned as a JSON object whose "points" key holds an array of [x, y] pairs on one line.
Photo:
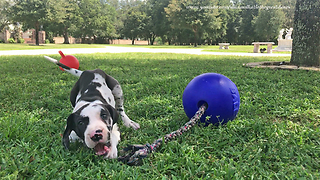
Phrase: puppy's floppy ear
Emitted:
{"points": [[114, 114], [67, 131], [74, 93]]}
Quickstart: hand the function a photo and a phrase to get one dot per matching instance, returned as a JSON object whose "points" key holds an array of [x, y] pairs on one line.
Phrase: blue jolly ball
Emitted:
{"points": [[220, 94]]}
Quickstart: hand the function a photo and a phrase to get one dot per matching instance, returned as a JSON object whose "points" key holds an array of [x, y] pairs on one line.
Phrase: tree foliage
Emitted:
{"points": [[94, 19], [135, 23], [174, 21], [158, 24], [246, 28], [32, 13], [81, 18], [197, 16], [4, 19], [268, 22], [61, 17]]}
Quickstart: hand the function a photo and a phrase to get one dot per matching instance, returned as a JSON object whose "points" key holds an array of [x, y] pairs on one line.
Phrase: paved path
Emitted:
{"points": [[115, 49]]}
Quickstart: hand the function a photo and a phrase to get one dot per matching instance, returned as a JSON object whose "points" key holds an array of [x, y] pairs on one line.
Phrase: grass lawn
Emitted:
{"points": [[6, 46], [240, 48], [275, 136], [207, 48]]}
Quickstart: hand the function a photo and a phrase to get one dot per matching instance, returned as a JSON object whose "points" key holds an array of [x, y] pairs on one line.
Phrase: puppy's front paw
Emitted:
{"points": [[132, 124], [113, 154], [128, 122]]}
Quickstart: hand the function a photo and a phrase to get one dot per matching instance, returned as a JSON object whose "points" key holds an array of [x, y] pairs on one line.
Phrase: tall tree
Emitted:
{"points": [[269, 21], [31, 13], [123, 9], [225, 16], [147, 31], [119, 17], [232, 34], [4, 19], [158, 24], [246, 29], [288, 9], [61, 17], [134, 24], [197, 16], [95, 18], [306, 33]]}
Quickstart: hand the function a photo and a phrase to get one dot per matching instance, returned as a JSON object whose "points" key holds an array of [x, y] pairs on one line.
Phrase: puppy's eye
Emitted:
{"points": [[81, 123], [104, 116]]}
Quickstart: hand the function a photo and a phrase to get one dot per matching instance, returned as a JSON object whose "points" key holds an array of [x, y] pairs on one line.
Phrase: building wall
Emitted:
{"points": [[5, 35], [72, 40], [128, 41]]}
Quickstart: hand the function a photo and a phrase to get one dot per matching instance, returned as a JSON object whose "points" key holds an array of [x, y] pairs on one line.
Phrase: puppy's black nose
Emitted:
{"points": [[97, 136], [99, 131]]}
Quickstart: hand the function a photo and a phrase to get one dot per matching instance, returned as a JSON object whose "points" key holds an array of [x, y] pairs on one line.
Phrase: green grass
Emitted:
{"points": [[47, 46], [275, 136], [240, 49], [206, 48]]}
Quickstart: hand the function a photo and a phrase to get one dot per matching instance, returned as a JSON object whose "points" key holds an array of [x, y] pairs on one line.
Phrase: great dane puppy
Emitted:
{"points": [[97, 100]]}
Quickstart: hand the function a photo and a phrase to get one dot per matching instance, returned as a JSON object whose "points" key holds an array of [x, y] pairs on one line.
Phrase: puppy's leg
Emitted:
{"points": [[118, 96], [114, 140]]}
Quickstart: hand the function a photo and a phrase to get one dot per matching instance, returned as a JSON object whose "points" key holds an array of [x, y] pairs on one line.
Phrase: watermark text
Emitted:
{"points": [[240, 7]]}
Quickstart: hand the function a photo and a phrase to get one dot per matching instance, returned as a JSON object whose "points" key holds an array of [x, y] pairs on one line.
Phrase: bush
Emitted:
{"points": [[47, 41], [20, 40], [158, 40], [2, 41], [11, 40]]}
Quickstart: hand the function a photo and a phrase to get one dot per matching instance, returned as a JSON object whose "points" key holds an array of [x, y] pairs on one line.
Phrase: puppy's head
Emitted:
{"points": [[93, 124]]}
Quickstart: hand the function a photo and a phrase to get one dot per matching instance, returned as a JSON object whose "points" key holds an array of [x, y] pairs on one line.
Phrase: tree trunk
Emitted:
{"points": [[195, 30], [132, 42], [37, 28], [152, 38], [66, 36], [195, 39], [306, 33]]}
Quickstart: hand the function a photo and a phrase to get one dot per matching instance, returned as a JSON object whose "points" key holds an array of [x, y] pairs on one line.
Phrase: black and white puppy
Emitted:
{"points": [[97, 100]]}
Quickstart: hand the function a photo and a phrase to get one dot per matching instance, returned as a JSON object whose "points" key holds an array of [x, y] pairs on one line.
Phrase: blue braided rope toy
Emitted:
{"points": [[135, 153]]}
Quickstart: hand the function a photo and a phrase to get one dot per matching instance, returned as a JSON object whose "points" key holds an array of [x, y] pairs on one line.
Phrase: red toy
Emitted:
{"points": [[69, 61]]}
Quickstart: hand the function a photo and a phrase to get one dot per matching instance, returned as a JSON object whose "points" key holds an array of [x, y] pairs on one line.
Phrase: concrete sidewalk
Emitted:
{"points": [[115, 49]]}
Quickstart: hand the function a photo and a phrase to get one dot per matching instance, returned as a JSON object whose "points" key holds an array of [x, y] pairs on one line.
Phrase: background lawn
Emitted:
{"points": [[275, 136], [207, 48], [6, 46]]}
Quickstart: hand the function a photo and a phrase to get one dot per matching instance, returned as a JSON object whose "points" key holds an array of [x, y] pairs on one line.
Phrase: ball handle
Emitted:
{"points": [[61, 54]]}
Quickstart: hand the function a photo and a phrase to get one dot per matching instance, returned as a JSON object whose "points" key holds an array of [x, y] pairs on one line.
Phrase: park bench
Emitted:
{"points": [[224, 45], [256, 46]]}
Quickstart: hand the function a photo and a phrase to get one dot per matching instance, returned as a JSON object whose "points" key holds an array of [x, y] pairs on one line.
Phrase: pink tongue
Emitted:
{"points": [[101, 150]]}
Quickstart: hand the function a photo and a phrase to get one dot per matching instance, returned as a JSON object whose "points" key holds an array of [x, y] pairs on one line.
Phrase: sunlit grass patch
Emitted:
{"points": [[275, 136]]}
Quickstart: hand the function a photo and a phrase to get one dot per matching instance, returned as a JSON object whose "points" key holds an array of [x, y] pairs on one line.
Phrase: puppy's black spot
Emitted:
{"points": [[109, 128], [96, 84], [109, 99]]}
